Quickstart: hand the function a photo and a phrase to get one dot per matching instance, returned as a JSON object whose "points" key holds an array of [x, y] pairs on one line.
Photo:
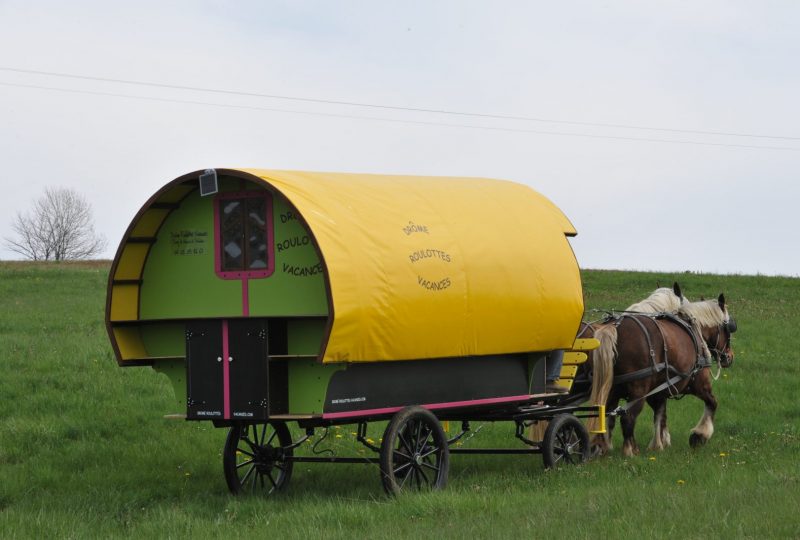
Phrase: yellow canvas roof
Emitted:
{"points": [[432, 267]]}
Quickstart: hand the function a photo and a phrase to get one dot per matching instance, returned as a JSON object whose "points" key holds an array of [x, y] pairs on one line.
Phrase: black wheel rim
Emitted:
{"points": [[259, 462], [568, 446], [416, 457]]}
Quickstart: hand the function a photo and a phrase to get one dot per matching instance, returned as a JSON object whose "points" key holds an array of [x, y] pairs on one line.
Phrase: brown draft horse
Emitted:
{"points": [[653, 357]]}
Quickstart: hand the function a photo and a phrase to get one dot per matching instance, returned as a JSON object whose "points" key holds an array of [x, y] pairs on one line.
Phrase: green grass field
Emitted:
{"points": [[85, 450]]}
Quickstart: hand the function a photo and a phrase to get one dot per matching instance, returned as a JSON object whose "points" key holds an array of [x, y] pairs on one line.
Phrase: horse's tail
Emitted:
{"points": [[603, 368]]}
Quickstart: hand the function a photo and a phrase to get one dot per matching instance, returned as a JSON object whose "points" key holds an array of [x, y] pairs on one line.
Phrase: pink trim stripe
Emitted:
{"points": [[433, 407], [226, 372]]}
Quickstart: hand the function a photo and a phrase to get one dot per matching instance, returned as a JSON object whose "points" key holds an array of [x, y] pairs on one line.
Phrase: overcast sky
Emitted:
{"points": [[708, 203]]}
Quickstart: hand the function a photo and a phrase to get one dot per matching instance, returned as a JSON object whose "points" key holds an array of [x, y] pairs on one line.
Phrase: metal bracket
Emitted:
{"points": [[362, 437], [464, 430]]}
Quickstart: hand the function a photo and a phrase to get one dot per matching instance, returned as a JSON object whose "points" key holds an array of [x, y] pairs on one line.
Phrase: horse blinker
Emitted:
{"points": [[730, 326]]}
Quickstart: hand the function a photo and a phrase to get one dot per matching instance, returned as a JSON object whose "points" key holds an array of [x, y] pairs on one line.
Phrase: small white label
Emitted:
{"points": [[348, 400]]}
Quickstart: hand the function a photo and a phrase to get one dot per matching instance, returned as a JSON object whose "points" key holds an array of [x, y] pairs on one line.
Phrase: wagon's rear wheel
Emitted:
{"points": [[566, 441], [256, 458], [414, 452]]}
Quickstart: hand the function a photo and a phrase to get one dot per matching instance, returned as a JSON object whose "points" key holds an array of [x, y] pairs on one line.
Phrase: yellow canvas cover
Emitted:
{"points": [[431, 267]]}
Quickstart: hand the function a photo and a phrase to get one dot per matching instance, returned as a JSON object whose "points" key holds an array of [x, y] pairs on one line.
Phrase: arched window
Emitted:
{"points": [[243, 235]]}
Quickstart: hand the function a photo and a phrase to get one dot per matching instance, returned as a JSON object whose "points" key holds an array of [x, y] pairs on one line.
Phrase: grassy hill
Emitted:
{"points": [[85, 450]]}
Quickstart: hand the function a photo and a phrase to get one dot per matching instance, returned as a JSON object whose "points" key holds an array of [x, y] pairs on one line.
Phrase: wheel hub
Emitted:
{"points": [[265, 458]]}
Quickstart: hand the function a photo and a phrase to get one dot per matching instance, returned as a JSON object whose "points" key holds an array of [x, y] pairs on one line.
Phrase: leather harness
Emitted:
{"points": [[701, 361]]}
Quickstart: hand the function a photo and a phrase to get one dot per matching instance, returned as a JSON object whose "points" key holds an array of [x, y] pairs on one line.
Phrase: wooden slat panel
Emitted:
{"points": [[574, 358], [129, 342], [566, 383], [124, 302], [585, 344], [177, 193], [150, 221], [131, 261], [568, 372]]}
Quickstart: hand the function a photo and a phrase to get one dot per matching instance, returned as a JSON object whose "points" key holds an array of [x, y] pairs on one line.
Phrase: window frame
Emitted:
{"points": [[269, 230]]}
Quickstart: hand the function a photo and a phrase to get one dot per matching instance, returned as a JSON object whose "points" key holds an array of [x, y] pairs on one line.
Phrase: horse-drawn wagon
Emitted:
{"points": [[270, 297]]}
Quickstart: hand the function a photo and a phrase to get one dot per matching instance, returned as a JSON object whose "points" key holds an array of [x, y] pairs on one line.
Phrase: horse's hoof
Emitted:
{"points": [[696, 440]]}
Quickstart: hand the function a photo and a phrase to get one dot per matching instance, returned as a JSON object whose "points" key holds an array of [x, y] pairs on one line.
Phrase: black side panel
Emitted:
{"points": [[426, 382], [277, 336], [204, 398], [278, 386], [249, 381], [538, 373]]}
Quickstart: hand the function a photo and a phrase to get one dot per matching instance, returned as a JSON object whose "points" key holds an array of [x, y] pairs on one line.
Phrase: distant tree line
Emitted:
{"points": [[59, 227]]}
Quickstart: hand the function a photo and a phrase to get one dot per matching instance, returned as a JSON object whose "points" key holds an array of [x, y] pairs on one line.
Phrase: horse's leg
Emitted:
{"points": [[613, 403], [659, 406], [628, 421], [701, 387], [666, 440]]}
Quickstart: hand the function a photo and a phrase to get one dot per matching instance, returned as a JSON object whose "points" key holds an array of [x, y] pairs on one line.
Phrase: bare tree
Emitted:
{"points": [[58, 227]]}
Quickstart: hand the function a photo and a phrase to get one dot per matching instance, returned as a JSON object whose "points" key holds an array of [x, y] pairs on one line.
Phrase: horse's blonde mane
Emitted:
{"points": [[705, 312], [661, 300]]}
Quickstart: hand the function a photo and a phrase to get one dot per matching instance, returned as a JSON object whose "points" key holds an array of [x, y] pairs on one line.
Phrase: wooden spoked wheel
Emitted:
{"points": [[566, 442], [414, 453], [257, 458]]}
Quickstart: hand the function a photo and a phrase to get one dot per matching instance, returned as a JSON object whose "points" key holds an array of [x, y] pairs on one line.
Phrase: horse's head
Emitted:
{"points": [[722, 341], [716, 325]]}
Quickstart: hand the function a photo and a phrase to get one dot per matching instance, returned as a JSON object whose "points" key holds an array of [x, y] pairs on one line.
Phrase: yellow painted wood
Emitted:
{"points": [[131, 261], [124, 302], [129, 342], [566, 383], [585, 344], [574, 358], [177, 193], [149, 222], [568, 372]]}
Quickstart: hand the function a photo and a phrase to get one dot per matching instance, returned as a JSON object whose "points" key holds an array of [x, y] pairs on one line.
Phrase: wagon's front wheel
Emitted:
{"points": [[566, 441], [257, 457], [414, 452]]}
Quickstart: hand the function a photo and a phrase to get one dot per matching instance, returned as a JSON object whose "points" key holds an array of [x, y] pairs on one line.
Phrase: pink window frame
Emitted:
{"points": [[244, 274]]}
